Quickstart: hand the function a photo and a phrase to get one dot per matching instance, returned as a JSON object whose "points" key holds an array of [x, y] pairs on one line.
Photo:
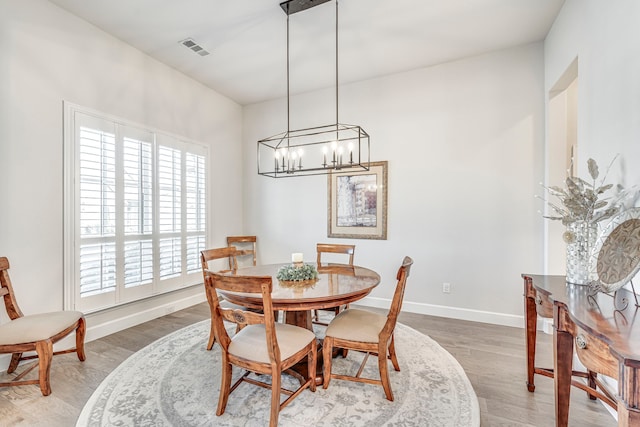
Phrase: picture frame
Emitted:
{"points": [[357, 203]]}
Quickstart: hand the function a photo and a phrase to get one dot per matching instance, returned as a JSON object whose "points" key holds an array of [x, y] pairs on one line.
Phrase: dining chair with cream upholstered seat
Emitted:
{"points": [[245, 248], [262, 346], [367, 332], [207, 256], [328, 249], [35, 333]]}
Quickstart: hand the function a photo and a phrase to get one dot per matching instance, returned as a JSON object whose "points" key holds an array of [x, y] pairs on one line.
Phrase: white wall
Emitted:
{"points": [[48, 55], [605, 37], [464, 142]]}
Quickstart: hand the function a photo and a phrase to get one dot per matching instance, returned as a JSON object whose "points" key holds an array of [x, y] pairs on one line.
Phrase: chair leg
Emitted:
{"points": [[15, 361], [275, 398], [80, 333], [327, 349], [45, 354], [225, 385], [384, 371], [212, 337], [392, 354], [311, 366]]}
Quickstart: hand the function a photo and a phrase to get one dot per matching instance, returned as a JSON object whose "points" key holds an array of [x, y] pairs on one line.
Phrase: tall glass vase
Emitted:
{"points": [[581, 239]]}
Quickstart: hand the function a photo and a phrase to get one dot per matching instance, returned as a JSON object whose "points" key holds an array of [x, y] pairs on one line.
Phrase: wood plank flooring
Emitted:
{"points": [[492, 356]]}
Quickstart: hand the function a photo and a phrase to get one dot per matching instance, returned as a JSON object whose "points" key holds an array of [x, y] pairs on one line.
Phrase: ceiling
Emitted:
{"points": [[247, 38]]}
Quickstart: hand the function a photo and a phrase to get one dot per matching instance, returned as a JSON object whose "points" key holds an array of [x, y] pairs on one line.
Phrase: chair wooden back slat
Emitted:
{"points": [[219, 253], [335, 249], [6, 290], [239, 242]]}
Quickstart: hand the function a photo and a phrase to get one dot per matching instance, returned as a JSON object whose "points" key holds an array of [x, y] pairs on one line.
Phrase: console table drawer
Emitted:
{"points": [[544, 305], [595, 355]]}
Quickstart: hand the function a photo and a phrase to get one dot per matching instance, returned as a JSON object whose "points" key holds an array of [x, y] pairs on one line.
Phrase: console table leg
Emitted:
{"points": [[531, 318], [563, 358], [592, 383]]}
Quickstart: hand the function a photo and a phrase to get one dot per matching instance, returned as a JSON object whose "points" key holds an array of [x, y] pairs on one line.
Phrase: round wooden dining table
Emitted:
{"points": [[336, 285]]}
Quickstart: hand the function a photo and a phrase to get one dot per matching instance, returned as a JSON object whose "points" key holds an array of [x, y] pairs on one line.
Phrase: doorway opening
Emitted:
{"points": [[561, 158]]}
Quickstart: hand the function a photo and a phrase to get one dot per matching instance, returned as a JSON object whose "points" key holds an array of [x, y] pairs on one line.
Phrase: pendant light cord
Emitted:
{"points": [[337, 65], [288, 101]]}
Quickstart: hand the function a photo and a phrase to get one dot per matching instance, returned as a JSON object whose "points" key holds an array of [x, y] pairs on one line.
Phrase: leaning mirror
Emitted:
{"points": [[618, 251]]}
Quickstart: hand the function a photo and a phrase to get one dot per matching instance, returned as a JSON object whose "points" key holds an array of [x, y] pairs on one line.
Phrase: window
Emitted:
{"points": [[135, 211]]}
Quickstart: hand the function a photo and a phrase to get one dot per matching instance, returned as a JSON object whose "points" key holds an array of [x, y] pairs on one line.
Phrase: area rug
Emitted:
{"points": [[175, 382]]}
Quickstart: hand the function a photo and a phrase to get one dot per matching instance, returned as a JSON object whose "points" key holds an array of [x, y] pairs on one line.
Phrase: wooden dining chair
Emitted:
{"points": [[210, 255], [329, 248], [368, 332], [35, 332], [262, 345], [245, 245]]}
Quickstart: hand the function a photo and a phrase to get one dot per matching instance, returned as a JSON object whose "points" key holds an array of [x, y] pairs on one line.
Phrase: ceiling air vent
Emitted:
{"points": [[191, 44]]}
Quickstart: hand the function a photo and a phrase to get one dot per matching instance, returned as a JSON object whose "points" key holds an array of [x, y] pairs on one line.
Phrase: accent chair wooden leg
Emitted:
{"points": [[212, 337], [225, 385], [392, 354], [15, 361], [275, 398], [311, 366], [80, 333], [45, 354], [327, 350], [384, 371]]}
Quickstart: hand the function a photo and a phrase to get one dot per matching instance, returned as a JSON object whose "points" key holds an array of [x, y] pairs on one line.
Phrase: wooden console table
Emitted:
{"points": [[607, 341]]}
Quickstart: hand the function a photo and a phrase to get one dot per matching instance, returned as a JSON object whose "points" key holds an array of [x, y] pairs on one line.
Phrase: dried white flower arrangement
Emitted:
{"points": [[582, 200]]}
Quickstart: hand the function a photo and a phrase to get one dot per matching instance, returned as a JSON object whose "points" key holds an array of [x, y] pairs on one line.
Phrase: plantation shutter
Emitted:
{"points": [[97, 259], [196, 212], [139, 212]]}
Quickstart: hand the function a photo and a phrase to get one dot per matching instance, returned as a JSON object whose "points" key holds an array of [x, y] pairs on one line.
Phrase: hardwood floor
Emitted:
{"points": [[492, 356]]}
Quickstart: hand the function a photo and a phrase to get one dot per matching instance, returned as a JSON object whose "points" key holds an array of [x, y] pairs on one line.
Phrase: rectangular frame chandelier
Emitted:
{"points": [[317, 150]]}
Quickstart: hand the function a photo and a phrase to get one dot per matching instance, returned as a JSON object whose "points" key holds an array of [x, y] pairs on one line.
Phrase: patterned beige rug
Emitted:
{"points": [[175, 381]]}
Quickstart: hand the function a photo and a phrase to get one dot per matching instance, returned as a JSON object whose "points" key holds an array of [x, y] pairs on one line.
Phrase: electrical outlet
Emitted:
{"points": [[446, 288]]}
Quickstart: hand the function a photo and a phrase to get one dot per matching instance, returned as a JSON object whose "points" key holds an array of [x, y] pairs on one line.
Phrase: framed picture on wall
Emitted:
{"points": [[357, 203]]}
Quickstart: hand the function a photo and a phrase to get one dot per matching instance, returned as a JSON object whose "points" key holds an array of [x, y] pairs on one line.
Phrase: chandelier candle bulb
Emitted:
{"points": [[324, 156], [334, 146]]}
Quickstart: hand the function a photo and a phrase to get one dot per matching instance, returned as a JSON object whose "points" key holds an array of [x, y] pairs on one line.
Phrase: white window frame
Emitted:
{"points": [[187, 258]]}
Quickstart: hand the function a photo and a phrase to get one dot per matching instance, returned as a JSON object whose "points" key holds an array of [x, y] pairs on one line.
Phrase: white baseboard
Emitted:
{"points": [[103, 329], [493, 318]]}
